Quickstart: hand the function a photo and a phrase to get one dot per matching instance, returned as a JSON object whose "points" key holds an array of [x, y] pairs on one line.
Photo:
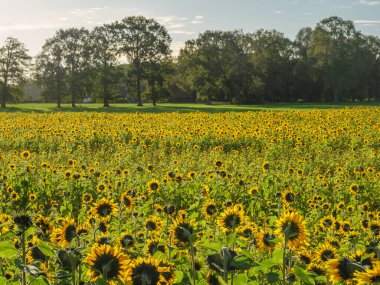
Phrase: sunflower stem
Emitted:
{"points": [[23, 257], [284, 263]]}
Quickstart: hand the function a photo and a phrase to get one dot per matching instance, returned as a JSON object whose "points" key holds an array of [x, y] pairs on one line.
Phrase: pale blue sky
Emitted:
{"points": [[33, 21]]}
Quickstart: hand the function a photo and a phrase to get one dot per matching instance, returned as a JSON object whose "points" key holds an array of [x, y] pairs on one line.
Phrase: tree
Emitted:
{"points": [[331, 47], [14, 60], [272, 64], [104, 59], [216, 64], [50, 70], [76, 57], [141, 40]]}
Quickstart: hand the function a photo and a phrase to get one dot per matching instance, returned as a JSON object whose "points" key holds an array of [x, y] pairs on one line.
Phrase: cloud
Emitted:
{"points": [[278, 12], [369, 2], [31, 27], [170, 20], [367, 22], [176, 47], [86, 12], [181, 32]]}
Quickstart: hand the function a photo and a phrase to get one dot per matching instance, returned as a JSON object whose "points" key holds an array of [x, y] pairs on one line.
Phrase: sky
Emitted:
{"points": [[34, 21]]}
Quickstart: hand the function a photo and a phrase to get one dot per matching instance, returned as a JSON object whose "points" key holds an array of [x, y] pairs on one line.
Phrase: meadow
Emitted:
{"points": [[197, 197]]}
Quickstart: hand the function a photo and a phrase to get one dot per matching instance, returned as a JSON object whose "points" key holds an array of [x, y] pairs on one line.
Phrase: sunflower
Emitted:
{"points": [[316, 268], [107, 262], [154, 245], [34, 253], [104, 209], [25, 154], [247, 231], [231, 218], [326, 252], [127, 201], [183, 231], [23, 222], [168, 274], [305, 256], [369, 276], [126, 240], [209, 209], [293, 228], [43, 223], [153, 186], [263, 240], [265, 166], [147, 271], [87, 198], [101, 187], [253, 191], [64, 235], [327, 223], [153, 224], [341, 270], [288, 196], [374, 227]]}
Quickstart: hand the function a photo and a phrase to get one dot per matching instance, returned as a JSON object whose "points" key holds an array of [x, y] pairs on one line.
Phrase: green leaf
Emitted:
{"points": [[45, 249], [8, 235], [241, 279], [178, 276], [212, 246], [273, 277], [7, 249], [38, 281], [3, 280], [221, 281], [303, 275], [243, 263], [231, 238]]}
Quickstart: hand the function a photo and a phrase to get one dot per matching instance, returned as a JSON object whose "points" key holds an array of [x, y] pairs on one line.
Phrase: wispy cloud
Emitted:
{"points": [[367, 22], [181, 32], [85, 12], [278, 12], [369, 2]]}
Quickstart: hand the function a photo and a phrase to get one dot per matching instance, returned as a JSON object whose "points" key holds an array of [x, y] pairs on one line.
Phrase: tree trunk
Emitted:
{"points": [[138, 85], [336, 95], [105, 96], [4, 97], [59, 101]]}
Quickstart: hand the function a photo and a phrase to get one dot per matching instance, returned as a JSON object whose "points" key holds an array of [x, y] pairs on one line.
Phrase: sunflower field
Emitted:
{"points": [[230, 198]]}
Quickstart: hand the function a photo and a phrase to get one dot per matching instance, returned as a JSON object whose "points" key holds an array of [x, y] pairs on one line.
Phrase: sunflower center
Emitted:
{"points": [[70, 233], [327, 223], [108, 265], [345, 269], [267, 238], [145, 274], [232, 221], [154, 247], [127, 240], [104, 210], [289, 197], [150, 225], [183, 232], [154, 186], [291, 230], [375, 279], [210, 210], [327, 254]]}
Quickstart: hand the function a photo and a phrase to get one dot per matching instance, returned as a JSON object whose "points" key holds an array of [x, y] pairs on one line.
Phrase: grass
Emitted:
{"points": [[171, 107]]}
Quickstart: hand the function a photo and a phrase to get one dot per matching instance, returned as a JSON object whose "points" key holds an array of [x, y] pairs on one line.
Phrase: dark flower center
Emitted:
{"points": [[127, 241], [104, 210], [268, 237], [154, 247], [150, 225], [327, 254], [345, 269], [231, 221], [154, 186], [291, 230], [183, 232], [108, 265], [70, 233], [210, 210], [145, 274]]}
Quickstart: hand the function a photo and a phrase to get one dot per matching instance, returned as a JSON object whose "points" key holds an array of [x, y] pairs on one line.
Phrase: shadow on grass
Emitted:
{"points": [[178, 108]]}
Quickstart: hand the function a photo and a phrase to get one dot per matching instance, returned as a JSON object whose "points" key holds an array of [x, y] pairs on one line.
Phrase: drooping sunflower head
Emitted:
{"points": [[183, 231], [210, 209], [23, 221], [104, 209], [34, 253], [107, 262], [341, 270], [63, 236], [292, 227], [231, 219], [147, 271], [370, 276]]}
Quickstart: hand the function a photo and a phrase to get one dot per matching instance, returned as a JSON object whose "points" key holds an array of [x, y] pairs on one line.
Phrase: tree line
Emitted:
{"points": [[333, 62]]}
